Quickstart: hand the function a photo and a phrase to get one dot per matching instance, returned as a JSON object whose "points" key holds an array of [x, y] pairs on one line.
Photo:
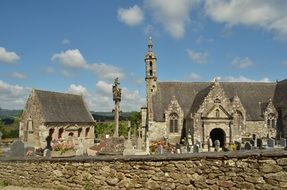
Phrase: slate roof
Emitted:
{"points": [[62, 107], [281, 95], [190, 96]]}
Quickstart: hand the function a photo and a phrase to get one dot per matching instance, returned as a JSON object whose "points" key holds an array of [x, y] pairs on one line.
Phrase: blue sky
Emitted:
{"points": [[80, 46]]}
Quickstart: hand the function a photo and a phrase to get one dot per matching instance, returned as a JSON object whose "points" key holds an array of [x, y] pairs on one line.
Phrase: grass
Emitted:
{"points": [[4, 183]]}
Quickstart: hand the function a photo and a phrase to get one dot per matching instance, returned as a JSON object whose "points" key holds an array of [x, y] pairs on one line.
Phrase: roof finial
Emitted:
{"points": [[150, 44]]}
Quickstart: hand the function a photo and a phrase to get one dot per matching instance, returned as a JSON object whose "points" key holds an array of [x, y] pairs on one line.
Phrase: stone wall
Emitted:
{"points": [[233, 170]]}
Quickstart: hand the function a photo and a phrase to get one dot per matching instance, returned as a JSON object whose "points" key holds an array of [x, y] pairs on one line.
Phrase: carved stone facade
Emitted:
{"points": [[58, 115], [227, 111]]}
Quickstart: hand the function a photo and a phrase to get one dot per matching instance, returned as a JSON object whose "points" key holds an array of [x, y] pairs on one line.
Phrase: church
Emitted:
{"points": [[200, 111]]}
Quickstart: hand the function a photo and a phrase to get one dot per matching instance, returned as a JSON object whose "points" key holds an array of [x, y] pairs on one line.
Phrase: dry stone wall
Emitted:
{"points": [[241, 170]]}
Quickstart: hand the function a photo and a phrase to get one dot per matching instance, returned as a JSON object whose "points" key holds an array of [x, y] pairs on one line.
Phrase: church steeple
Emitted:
{"points": [[151, 79], [150, 60]]}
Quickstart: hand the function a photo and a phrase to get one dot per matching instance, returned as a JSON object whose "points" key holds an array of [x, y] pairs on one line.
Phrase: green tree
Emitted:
{"points": [[135, 119]]}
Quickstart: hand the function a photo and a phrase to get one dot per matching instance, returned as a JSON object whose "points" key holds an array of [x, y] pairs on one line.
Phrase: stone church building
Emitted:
{"points": [[58, 115], [227, 111]]}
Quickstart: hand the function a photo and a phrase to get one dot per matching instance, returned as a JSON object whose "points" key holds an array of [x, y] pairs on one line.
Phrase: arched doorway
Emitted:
{"points": [[217, 134]]}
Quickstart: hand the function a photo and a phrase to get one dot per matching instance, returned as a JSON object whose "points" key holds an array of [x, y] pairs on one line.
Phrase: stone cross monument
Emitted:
{"points": [[117, 92]]}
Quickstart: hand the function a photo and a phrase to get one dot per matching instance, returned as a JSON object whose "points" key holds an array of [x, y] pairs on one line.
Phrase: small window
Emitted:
{"points": [[217, 113], [150, 63], [87, 131], [51, 132], [79, 132], [217, 100], [173, 123], [60, 133], [71, 134], [150, 73], [271, 120]]}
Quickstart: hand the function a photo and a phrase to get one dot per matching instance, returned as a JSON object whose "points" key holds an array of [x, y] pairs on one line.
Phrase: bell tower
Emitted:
{"points": [[150, 78]]}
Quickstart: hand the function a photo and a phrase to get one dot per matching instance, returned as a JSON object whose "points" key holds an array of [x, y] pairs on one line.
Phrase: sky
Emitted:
{"points": [[79, 47]]}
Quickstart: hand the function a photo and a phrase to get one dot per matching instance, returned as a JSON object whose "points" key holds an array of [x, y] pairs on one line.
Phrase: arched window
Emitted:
{"points": [[173, 123], [51, 131], [150, 72], [79, 132], [239, 119], [87, 131], [60, 133], [217, 113], [150, 63], [271, 120]]}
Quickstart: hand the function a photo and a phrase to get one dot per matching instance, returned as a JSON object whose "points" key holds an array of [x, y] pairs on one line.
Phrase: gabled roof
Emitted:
{"points": [[62, 107], [190, 96]]}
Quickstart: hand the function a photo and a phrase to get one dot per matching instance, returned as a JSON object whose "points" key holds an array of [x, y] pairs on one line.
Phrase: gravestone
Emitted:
{"points": [[183, 149], [259, 143], [254, 138], [247, 146], [17, 149], [217, 145], [209, 144], [129, 149], [238, 145], [196, 148], [160, 149], [139, 143], [271, 143], [47, 153], [283, 142]]}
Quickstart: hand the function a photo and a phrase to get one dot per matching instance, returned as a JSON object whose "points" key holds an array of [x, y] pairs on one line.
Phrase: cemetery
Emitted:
{"points": [[57, 142]]}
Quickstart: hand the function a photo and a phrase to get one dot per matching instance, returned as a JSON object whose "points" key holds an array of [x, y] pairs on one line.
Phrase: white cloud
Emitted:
{"points": [[241, 79], [106, 71], [18, 75], [131, 100], [197, 57], [74, 59], [8, 57], [102, 99], [66, 41], [242, 63], [13, 96], [77, 89], [70, 58], [173, 15], [66, 73], [193, 77], [131, 16], [270, 15]]}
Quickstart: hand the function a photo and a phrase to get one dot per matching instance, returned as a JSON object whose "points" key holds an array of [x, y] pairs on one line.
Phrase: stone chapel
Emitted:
{"points": [[224, 111], [58, 115]]}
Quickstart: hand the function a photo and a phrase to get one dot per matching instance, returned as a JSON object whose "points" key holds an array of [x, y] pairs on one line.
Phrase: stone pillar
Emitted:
{"points": [[117, 108], [117, 99]]}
